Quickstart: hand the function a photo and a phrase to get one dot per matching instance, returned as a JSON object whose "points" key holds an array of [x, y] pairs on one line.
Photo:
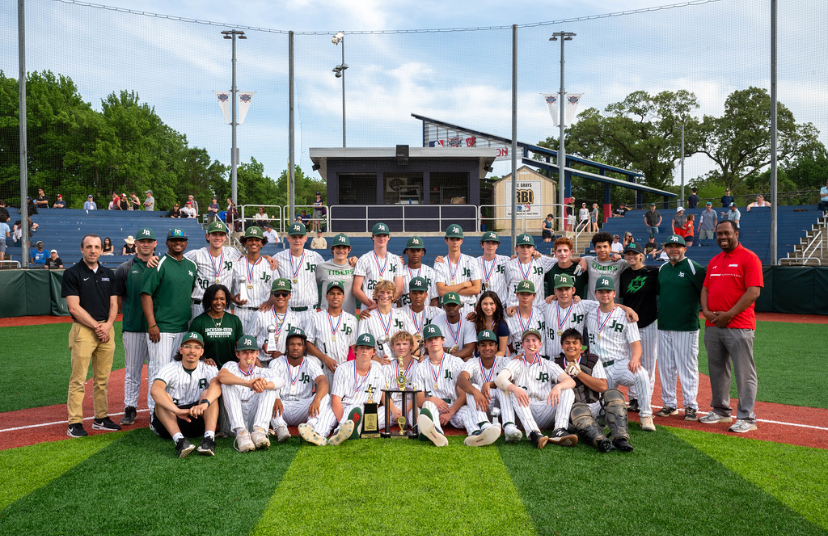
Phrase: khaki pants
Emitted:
{"points": [[86, 346]]}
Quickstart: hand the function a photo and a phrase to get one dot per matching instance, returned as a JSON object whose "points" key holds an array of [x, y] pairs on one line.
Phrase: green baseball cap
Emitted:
{"points": [[675, 239], [296, 332], [415, 242], [418, 284], [490, 236], [531, 331], [524, 240], [605, 283], [452, 297], [430, 331], [145, 233], [525, 287], [340, 240], [280, 284], [217, 227], [247, 342], [297, 229], [379, 228], [454, 231], [564, 281], [366, 339], [176, 234], [335, 284], [193, 336], [486, 335], [254, 231]]}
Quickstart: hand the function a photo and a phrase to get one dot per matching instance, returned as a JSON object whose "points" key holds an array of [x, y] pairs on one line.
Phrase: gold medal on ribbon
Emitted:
{"points": [[250, 286], [295, 280]]}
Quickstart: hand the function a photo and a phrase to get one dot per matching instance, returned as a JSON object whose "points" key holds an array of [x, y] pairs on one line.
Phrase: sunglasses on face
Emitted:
{"points": [[281, 294]]}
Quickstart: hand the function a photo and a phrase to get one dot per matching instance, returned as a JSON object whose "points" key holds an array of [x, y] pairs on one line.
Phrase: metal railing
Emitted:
{"points": [[311, 222], [276, 220], [443, 222], [535, 214], [809, 253]]}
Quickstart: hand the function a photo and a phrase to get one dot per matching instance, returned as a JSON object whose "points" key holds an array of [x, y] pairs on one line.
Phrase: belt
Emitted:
{"points": [[248, 308], [299, 309], [609, 363], [197, 302]]}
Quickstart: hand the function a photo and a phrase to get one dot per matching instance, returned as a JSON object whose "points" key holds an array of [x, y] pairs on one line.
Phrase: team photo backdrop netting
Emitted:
{"points": [[122, 100]]}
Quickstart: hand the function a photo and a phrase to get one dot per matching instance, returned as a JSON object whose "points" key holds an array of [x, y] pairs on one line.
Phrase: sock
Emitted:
{"points": [[237, 431], [209, 434], [177, 436], [484, 425]]}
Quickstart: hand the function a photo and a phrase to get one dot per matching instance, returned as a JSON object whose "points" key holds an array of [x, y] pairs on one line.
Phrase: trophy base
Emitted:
{"points": [[370, 422]]}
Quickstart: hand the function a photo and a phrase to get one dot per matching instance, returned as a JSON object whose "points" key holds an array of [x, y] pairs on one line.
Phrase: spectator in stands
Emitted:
{"points": [[149, 201], [191, 200], [135, 203], [617, 246], [124, 202], [54, 262], [188, 211], [319, 242], [689, 231], [5, 232], [693, 200], [129, 246], [546, 233], [39, 255], [32, 206], [261, 217], [318, 212], [4, 213], [733, 215], [621, 211], [583, 217], [652, 219], [593, 218], [305, 217], [232, 216], [174, 212], [108, 248], [679, 219], [707, 223], [272, 236], [115, 204], [628, 239], [760, 202], [652, 248], [90, 204], [212, 211], [727, 199], [42, 200], [17, 230], [823, 198], [60, 203]]}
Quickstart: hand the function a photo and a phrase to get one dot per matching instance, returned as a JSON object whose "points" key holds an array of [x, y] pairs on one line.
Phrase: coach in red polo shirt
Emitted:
{"points": [[731, 286]]}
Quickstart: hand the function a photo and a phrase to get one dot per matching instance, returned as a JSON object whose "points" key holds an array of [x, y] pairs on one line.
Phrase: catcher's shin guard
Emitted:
{"points": [[616, 413], [589, 430]]}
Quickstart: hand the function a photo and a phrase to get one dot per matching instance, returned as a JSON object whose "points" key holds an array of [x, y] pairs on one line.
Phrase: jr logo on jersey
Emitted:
{"points": [[466, 272], [265, 278], [310, 267], [202, 383], [448, 375], [398, 324], [346, 330], [576, 318], [617, 326], [537, 270], [543, 377], [500, 269], [304, 378]]}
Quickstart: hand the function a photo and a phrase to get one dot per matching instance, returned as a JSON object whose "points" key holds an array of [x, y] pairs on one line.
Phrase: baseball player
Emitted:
{"points": [[384, 321], [526, 267], [617, 342], [339, 269], [377, 265], [414, 267], [460, 339], [639, 290], [215, 264], [417, 310], [332, 332], [591, 395], [492, 266], [458, 272], [355, 383], [529, 315], [277, 322], [252, 279], [678, 328], [299, 266], [297, 403], [477, 380], [541, 393], [165, 299], [441, 401], [604, 263], [405, 364], [128, 278], [185, 392], [248, 393], [567, 264]]}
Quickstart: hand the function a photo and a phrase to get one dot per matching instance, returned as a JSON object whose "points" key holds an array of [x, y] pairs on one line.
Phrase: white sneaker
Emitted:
{"points": [[427, 428], [486, 437], [259, 438], [513, 434], [243, 443], [344, 433], [713, 418], [309, 434], [282, 434], [742, 425], [647, 424]]}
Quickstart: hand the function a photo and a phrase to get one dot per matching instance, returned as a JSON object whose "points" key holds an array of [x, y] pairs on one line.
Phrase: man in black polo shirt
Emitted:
{"points": [[90, 294]]}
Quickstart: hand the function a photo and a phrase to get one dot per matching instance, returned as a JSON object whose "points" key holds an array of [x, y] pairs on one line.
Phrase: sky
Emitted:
{"points": [[463, 77]]}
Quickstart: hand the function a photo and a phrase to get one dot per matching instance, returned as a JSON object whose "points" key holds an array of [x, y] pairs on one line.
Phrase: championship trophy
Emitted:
{"points": [[271, 339], [406, 428], [370, 419]]}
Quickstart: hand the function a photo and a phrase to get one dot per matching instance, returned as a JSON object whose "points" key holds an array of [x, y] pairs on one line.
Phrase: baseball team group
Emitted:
{"points": [[246, 345]]}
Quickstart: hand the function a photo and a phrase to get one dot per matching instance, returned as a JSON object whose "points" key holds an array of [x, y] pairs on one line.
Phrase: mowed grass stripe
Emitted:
{"points": [[396, 487], [26, 469], [137, 485], [795, 475], [666, 486]]}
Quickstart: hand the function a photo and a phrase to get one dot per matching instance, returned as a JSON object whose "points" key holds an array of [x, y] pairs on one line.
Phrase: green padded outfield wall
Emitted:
{"points": [[31, 292]]}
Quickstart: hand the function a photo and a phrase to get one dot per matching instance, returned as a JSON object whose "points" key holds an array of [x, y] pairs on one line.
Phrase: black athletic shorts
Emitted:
{"points": [[194, 428]]}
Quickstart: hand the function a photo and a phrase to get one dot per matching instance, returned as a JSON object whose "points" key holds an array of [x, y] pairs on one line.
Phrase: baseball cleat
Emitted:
{"points": [[129, 416], [563, 438], [647, 424], [105, 424], [76, 430], [605, 445], [183, 447], [690, 414], [207, 447], [742, 425], [513, 433], [666, 412], [310, 435], [282, 434], [713, 418], [259, 438], [538, 439], [428, 429], [343, 434], [633, 405], [243, 443], [622, 444], [489, 435], [355, 416]]}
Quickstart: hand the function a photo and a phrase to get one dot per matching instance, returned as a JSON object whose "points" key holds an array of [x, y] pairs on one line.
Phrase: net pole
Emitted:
{"points": [[773, 253], [24, 157], [514, 134], [291, 140]]}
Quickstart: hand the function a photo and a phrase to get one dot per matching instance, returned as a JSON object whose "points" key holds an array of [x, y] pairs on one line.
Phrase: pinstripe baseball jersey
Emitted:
{"points": [[333, 335], [212, 270], [281, 321], [183, 386], [518, 324], [493, 275], [439, 379], [466, 269], [534, 271], [170, 285], [258, 372], [392, 371], [374, 269], [299, 380], [426, 272], [353, 388], [610, 334], [536, 379], [479, 375], [385, 326], [460, 333], [559, 319], [301, 272], [421, 319], [252, 281]]}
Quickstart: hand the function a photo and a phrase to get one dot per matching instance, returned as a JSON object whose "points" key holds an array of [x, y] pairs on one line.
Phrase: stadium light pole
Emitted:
{"points": [[340, 73], [234, 157], [563, 36], [682, 161]]}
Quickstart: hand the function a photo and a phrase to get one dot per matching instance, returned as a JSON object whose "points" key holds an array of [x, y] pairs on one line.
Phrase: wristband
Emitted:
{"points": [[203, 400], [152, 326]]}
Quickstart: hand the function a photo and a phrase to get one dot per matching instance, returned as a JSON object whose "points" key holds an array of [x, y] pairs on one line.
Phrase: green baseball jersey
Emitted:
{"points": [[678, 296], [220, 336], [170, 285], [128, 279], [580, 280]]}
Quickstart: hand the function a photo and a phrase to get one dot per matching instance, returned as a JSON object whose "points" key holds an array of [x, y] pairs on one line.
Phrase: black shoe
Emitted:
{"points": [[538, 439], [605, 445], [623, 445], [690, 414], [563, 438], [207, 447], [105, 424], [666, 411], [129, 416], [76, 430], [633, 405], [183, 447]]}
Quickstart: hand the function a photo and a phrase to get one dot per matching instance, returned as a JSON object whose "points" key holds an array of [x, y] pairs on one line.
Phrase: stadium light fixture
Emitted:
{"points": [[339, 72]]}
